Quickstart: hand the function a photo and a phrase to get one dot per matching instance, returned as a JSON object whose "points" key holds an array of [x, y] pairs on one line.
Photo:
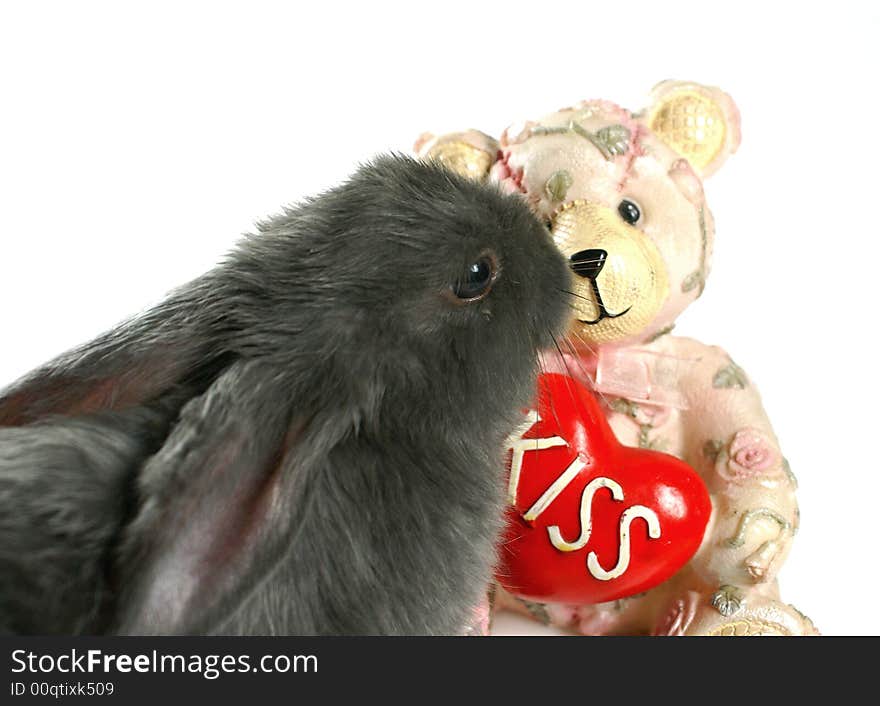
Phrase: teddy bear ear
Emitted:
{"points": [[701, 123], [470, 153]]}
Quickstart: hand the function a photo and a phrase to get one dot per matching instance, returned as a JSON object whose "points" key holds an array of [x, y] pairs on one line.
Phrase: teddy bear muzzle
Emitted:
{"points": [[619, 279]]}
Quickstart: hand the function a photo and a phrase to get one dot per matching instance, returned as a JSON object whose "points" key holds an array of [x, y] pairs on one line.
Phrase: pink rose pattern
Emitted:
{"points": [[679, 616], [750, 454]]}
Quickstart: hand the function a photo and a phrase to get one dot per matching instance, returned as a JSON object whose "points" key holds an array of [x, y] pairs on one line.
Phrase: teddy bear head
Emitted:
{"points": [[623, 196]]}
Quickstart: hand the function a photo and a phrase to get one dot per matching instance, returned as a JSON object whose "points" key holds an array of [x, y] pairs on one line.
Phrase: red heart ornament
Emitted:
{"points": [[591, 520]]}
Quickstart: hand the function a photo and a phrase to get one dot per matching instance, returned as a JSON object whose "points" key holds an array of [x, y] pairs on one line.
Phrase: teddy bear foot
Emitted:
{"points": [[733, 612]]}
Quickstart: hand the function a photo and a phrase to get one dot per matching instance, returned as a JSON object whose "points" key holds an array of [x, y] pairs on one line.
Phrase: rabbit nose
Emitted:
{"points": [[588, 263]]}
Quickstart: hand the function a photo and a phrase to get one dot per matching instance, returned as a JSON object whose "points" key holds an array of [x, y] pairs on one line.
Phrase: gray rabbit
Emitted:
{"points": [[307, 439]]}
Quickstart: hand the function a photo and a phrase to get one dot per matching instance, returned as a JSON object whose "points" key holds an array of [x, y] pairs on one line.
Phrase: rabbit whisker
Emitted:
{"points": [[575, 294]]}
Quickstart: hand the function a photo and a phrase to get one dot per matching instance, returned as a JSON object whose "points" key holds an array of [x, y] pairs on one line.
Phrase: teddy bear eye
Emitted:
{"points": [[629, 212]]}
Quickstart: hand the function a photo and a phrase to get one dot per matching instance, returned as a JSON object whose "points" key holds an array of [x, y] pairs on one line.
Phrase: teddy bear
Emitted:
{"points": [[622, 194]]}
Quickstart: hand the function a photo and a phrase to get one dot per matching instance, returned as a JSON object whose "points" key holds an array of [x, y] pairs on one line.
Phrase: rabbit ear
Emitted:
{"points": [[126, 367], [217, 507]]}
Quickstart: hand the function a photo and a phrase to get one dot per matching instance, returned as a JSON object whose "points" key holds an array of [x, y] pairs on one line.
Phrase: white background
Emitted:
{"points": [[137, 142]]}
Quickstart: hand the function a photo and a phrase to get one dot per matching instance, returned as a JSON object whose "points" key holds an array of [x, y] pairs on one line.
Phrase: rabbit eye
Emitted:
{"points": [[629, 212], [477, 279]]}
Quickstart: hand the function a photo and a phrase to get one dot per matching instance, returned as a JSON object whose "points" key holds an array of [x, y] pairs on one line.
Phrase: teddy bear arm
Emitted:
{"points": [[729, 440], [470, 152]]}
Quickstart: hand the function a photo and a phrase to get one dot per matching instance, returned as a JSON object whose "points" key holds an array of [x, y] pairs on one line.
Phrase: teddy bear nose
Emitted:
{"points": [[588, 263]]}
